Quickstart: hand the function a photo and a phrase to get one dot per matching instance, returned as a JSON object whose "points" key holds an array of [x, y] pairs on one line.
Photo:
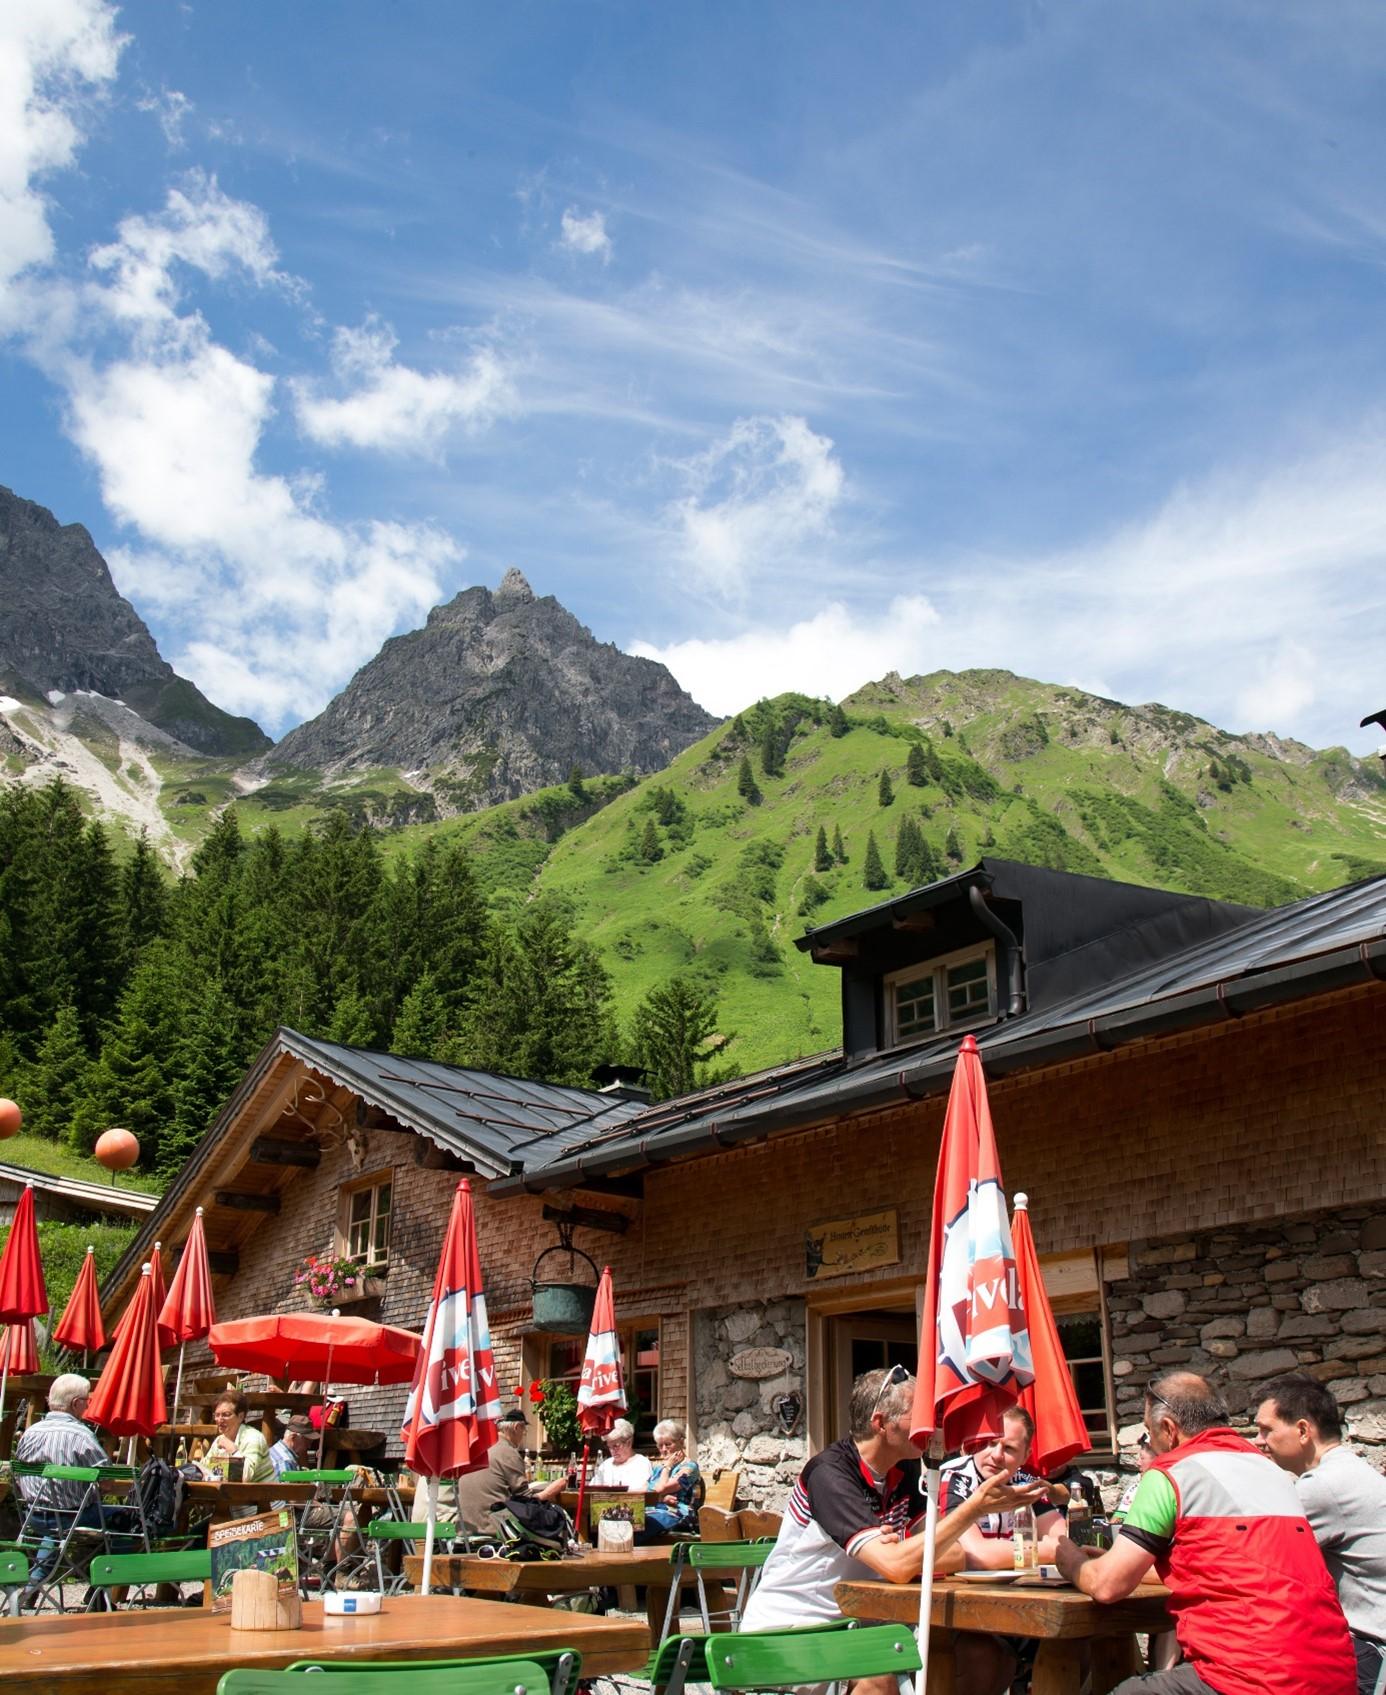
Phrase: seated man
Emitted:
{"points": [[1298, 1426], [291, 1451], [1255, 1610], [851, 1509], [986, 1664], [60, 1438], [471, 1499]]}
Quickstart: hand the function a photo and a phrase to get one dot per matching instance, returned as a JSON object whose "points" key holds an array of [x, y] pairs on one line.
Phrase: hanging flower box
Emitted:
{"points": [[338, 1282]]}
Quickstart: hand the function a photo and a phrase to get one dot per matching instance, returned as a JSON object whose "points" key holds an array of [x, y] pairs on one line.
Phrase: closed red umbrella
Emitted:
{"points": [[189, 1310], [156, 1276], [974, 1350], [129, 1399], [22, 1292], [20, 1352], [451, 1417], [1051, 1400], [80, 1328], [601, 1394]]}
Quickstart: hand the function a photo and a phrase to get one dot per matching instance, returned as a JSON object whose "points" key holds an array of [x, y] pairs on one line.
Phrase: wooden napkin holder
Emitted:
{"points": [[257, 1604]]}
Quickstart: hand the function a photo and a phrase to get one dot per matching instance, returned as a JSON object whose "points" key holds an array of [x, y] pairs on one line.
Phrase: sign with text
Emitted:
{"points": [[864, 1243], [265, 1542]]}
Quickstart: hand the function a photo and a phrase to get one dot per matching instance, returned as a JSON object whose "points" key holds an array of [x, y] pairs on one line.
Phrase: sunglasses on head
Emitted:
{"points": [[897, 1374], [1143, 1441]]}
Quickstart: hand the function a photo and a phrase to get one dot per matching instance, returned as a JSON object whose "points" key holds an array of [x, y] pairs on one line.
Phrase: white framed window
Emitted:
{"points": [[364, 1220], [958, 989]]}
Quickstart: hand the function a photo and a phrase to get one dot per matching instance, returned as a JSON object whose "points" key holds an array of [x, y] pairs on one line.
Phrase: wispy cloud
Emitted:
{"points": [[585, 234], [170, 109]]}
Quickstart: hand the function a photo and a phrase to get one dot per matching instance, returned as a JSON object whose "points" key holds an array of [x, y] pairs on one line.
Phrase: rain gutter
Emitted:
{"points": [[1210, 1003]]}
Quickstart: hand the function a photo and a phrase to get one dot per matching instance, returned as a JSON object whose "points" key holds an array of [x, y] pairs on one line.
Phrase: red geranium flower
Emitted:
{"points": [[536, 1394]]}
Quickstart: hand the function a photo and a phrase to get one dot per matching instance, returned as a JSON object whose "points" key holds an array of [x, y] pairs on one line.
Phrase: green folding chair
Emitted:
{"points": [[561, 1666], [784, 1659], [316, 1541], [142, 1571], [745, 1559], [380, 1534], [14, 1575], [408, 1677], [681, 1660]]}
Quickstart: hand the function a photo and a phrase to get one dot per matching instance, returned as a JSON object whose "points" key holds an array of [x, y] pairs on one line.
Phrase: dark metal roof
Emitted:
{"points": [[1325, 942], [496, 1122]]}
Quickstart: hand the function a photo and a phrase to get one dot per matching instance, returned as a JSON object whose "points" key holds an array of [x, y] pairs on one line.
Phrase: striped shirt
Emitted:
{"points": [[57, 1439]]}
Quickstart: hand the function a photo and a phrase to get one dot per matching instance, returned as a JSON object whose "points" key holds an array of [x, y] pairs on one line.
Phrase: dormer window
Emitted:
{"points": [[958, 990]]}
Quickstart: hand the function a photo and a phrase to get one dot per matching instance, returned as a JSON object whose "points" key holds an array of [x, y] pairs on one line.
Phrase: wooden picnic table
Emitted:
{"points": [[227, 1497], [1071, 1627], [185, 1651]]}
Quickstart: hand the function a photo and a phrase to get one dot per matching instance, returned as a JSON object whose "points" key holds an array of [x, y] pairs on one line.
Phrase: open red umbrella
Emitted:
{"points": [[974, 1350], [20, 1353], [129, 1399], [80, 1328], [1051, 1400], [601, 1395], [22, 1291], [316, 1345], [451, 1417], [188, 1311]]}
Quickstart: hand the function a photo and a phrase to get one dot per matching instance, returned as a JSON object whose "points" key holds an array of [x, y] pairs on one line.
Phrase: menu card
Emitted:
{"points": [[266, 1542]]}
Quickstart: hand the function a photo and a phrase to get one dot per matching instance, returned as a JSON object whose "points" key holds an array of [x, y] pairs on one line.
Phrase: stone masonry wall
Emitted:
{"points": [[736, 1423]]}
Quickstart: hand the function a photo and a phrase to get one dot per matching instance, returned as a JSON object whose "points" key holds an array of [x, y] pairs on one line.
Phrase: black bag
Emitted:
{"points": [[161, 1496], [540, 1524]]}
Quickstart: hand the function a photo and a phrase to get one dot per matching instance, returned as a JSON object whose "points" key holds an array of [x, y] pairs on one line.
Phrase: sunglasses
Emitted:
{"points": [[896, 1375], [1142, 1441]]}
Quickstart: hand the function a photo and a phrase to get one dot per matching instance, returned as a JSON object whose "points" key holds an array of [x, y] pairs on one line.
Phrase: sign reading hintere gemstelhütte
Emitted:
{"points": [[863, 1243]]}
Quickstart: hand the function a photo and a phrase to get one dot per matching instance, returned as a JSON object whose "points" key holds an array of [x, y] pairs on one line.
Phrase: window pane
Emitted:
{"points": [[361, 1206], [968, 989], [380, 1251], [914, 1007], [565, 1359], [358, 1236], [382, 1204]]}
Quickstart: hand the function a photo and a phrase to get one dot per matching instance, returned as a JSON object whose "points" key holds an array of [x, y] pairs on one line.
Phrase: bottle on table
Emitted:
{"points": [[1023, 1542], [1079, 1517], [180, 1458]]}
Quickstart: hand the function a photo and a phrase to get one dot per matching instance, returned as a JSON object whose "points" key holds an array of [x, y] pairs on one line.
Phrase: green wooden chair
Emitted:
{"points": [[408, 1677], [784, 1659], [319, 1532], [14, 1574], [380, 1533], [561, 1666], [681, 1660], [141, 1571], [745, 1559]]}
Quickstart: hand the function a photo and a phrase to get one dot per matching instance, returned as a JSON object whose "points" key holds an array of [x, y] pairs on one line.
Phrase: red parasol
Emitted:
{"points": [[18, 1350], [129, 1399], [974, 1350], [188, 1311], [601, 1394], [1051, 1400], [156, 1274], [450, 1420], [316, 1345], [22, 1294], [80, 1328]]}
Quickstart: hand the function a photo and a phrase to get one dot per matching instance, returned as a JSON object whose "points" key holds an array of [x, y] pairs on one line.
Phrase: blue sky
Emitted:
{"points": [[789, 343]]}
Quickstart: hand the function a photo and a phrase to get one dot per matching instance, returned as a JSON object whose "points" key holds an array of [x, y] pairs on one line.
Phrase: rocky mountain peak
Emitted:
{"points": [[514, 589]]}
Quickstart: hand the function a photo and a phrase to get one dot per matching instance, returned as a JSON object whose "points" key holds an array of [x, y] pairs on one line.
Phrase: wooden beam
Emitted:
{"points": [[632, 1185], [588, 1218], [277, 1150], [433, 1158], [834, 953], [223, 1262], [914, 921], [239, 1201]]}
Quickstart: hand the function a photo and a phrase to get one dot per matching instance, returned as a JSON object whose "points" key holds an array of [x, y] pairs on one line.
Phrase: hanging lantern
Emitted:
{"points": [[117, 1150]]}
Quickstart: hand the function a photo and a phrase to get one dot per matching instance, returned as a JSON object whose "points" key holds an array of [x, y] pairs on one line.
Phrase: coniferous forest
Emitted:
{"points": [[129, 999]]}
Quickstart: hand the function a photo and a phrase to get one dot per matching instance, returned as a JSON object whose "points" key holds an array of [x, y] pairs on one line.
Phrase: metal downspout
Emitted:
{"points": [[1015, 970]]}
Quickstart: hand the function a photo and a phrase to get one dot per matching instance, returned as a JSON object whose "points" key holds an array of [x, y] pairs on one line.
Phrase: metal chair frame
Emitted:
{"points": [[516, 1676], [316, 1541]]}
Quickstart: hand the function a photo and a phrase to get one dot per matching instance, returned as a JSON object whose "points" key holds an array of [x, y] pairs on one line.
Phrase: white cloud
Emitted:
{"points": [[831, 653], [585, 234], [53, 56], [170, 108], [754, 499], [393, 407]]}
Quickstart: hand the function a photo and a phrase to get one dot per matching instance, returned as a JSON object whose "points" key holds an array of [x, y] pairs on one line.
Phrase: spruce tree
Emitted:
{"points": [[143, 901], [916, 771], [907, 848], [771, 750], [746, 782], [56, 1081], [885, 794], [650, 849], [576, 787], [822, 854], [837, 721], [353, 1021], [208, 1067], [952, 846], [675, 1037], [873, 873], [423, 1028], [839, 851]]}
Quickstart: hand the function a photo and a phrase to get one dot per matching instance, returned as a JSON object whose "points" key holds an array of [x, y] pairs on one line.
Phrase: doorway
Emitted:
{"points": [[860, 1341]]}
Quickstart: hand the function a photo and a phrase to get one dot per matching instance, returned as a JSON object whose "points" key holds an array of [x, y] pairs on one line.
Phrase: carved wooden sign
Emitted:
{"points": [[758, 1363], [864, 1243]]}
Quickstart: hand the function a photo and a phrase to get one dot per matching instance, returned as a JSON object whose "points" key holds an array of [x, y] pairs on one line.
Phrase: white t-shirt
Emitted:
{"points": [[632, 1474]]}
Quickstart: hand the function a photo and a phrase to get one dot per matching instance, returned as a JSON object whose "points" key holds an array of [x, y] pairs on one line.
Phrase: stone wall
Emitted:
{"points": [[737, 1426], [1243, 1304]]}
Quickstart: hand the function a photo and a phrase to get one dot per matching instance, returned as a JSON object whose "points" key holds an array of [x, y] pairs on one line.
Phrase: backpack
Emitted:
{"points": [[541, 1525], [161, 1491]]}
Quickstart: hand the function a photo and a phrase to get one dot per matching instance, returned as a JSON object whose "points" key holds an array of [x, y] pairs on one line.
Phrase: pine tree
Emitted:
{"points": [[675, 1037], [650, 849], [423, 1028], [952, 846], [746, 782], [885, 794], [208, 1067], [839, 851], [143, 901], [576, 787], [837, 721], [353, 1021], [916, 771], [907, 848], [57, 1079], [771, 750], [873, 873], [822, 854]]}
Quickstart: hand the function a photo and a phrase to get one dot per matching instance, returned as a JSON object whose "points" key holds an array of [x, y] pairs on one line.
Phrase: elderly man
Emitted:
{"points": [[1299, 1427], [850, 1511], [1254, 1607], [291, 1451], [477, 1494], [59, 1438]]}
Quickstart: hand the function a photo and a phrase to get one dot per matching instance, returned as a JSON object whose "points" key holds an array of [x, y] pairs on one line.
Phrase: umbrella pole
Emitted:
{"points": [[4, 1377], [178, 1387], [326, 1402], [430, 1522], [582, 1484], [926, 1576]]}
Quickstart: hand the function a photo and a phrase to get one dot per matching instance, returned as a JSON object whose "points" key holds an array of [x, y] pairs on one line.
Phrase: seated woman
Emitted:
{"points": [[622, 1468], [675, 1480], [237, 1439]]}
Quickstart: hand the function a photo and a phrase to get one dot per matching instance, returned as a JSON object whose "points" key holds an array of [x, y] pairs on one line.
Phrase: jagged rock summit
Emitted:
{"points": [[502, 692], [65, 629]]}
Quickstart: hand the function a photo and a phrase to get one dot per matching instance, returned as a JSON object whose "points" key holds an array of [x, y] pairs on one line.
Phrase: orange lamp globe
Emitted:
{"points": [[10, 1119], [117, 1150]]}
